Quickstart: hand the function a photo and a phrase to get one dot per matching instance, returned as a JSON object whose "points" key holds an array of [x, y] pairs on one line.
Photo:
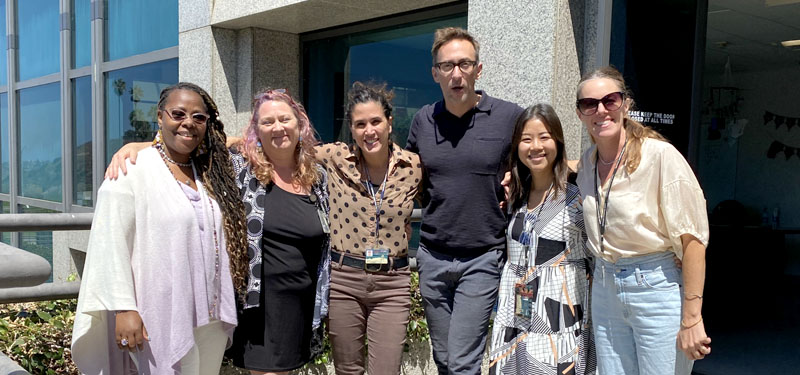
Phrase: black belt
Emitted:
{"points": [[346, 260]]}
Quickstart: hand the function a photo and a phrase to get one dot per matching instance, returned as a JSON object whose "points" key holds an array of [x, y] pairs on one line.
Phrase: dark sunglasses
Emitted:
{"points": [[611, 102], [179, 115]]}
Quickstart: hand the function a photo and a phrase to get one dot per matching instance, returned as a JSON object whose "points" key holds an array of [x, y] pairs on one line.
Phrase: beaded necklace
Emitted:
{"points": [[166, 158], [213, 309]]}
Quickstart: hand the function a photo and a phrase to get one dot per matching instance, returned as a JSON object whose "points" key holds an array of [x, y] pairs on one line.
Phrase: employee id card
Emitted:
{"points": [[377, 256], [525, 296]]}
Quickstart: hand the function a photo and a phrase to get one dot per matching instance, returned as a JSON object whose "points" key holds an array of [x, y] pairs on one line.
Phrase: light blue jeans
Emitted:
{"points": [[636, 311]]}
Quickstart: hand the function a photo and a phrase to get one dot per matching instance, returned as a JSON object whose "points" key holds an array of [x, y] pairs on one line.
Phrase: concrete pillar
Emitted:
{"points": [[535, 51], [234, 65]]}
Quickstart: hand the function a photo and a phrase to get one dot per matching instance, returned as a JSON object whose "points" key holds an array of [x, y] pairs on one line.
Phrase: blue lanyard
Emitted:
{"points": [[377, 203], [529, 238]]}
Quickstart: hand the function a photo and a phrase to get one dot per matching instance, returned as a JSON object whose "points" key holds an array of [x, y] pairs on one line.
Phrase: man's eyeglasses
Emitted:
{"points": [[612, 102], [465, 66], [179, 115]]}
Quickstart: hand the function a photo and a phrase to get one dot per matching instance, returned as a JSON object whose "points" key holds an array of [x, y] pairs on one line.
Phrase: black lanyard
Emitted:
{"points": [[601, 219], [377, 203]]}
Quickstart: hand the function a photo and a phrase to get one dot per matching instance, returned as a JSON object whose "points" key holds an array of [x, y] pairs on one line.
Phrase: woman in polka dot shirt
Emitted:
{"points": [[372, 185]]}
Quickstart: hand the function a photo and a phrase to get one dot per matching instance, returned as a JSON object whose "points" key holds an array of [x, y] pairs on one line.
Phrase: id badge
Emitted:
{"points": [[323, 220], [524, 299], [377, 256]]}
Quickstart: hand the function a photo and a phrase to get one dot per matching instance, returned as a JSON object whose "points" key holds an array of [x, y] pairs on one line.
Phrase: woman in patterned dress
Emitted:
{"points": [[542, 322]]}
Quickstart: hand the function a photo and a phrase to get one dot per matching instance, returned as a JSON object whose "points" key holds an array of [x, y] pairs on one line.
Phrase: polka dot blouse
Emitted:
{"points": [[352, 214]]}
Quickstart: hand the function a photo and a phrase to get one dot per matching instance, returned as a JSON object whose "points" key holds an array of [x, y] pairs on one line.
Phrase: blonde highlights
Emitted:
{"points": [[306, 173], [635, 131]]}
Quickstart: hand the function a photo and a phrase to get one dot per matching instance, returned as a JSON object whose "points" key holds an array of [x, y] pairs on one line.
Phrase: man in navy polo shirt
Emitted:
{"points": [[463, 142]]}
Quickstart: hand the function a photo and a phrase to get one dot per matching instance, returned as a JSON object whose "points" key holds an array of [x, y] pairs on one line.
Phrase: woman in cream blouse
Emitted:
{"points": [[643, 207]]}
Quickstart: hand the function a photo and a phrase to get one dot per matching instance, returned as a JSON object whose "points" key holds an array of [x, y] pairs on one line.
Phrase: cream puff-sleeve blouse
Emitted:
{"points": [[649, 209]]}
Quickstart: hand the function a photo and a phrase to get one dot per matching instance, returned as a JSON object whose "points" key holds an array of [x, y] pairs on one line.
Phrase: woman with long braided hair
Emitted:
{"points": [[165, 252]]}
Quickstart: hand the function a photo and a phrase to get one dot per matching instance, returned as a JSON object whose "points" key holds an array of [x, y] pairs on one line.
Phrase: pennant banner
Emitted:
{"points": [[778, 147], [779, 120]]}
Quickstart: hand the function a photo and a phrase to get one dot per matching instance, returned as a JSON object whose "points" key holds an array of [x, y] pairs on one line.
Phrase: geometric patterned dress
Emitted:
{"points": [[547, 330]]}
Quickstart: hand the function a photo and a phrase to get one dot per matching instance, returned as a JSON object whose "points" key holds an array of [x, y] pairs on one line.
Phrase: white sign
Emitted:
{"points": [[652, 117]]}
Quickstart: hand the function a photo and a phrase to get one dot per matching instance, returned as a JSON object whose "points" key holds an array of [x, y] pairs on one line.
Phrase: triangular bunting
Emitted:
{"points": [[768, 116], [779, 121], [789, 151], [774, 149]]}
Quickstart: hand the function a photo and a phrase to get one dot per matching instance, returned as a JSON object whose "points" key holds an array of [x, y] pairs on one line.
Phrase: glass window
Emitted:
{"points": [[39, 243], [399, 56], [3, 45], [81, 33], [131, 102], [5, 237], [82, 141], [135, 27], [38, 35], [5, 144], [40, 142]]}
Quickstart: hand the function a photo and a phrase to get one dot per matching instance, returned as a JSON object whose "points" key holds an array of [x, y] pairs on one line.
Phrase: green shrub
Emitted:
{"points": [[38, 335], [417, 329]]}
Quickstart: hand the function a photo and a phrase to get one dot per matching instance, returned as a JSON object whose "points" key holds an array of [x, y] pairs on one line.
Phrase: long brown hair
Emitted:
{"points": [[635, 131], [521, 177], [217, 174]]}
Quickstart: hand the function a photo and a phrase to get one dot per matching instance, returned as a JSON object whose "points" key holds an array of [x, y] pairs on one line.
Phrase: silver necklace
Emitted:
{"points": [[164, 158], [603, 161], [168, 159]]}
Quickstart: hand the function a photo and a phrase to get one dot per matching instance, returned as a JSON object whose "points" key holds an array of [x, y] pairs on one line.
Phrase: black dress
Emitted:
{"points": [[276, 335]]}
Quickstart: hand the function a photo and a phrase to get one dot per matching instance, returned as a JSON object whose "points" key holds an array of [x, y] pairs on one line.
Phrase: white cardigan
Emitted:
{"points": [[143, 230]]}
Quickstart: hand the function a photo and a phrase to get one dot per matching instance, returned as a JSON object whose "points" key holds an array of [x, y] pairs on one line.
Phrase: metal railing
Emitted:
{"points": [[22, 274]]}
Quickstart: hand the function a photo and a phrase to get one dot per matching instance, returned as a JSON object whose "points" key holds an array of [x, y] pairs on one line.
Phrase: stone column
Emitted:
{"points": [[535, 51], [233, 65]]}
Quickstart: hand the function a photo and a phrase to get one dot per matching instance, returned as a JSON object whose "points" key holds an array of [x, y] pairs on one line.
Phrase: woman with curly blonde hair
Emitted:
{"points": [[286, 204]]}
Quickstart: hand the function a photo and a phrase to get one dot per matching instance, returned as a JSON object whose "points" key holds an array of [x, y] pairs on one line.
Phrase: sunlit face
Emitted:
{"points": [[370, 128], [456, 85], [278, 128], [537, 148], [603, 123], [183, 136]]}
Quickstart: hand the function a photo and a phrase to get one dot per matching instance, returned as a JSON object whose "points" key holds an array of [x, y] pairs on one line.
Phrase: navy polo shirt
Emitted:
{"points": [[464, 160]]}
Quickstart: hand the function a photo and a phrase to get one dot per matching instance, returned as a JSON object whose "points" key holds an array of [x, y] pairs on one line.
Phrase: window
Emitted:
{"points": [[3, 45], [38, 35], [82, 141], [5, 145], [398, 55], [136, 27], [81, 33], [131, 102], [39, 243], [5, 237], [40, 142]]}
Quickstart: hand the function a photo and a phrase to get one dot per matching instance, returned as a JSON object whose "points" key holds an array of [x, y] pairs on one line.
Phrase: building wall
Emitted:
{"points": [[535, 51], [524, 61]]}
